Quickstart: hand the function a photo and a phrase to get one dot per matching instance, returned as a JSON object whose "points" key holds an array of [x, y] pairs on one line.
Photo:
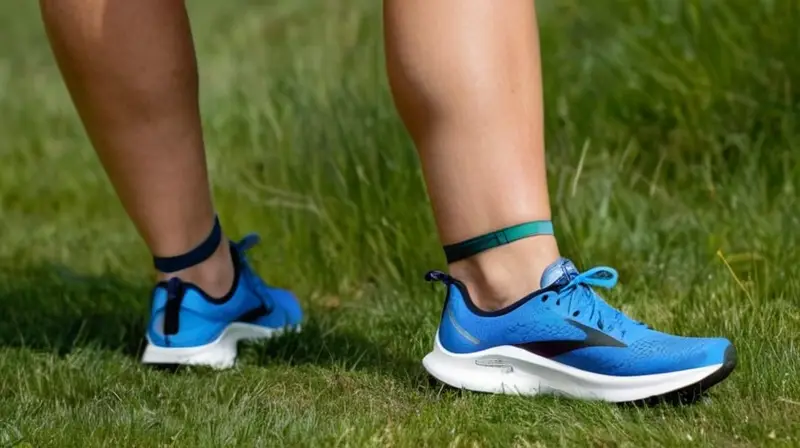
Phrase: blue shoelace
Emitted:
{"points": [[580, 297]]}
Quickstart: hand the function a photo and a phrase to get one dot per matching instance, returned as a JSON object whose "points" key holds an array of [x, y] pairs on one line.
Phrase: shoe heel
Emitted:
{"points": [[217, 356]]}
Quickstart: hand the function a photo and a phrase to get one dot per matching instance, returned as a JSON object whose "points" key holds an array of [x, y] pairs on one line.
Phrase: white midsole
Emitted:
{"points": [[512, 370], [220, 353]]}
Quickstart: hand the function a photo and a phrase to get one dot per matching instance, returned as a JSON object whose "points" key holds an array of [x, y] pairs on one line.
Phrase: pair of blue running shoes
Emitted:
{"points": [[562, 339]]}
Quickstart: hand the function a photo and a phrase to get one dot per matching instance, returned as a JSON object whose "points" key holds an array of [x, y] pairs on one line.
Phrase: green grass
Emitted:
{"points": [[673, 152]]}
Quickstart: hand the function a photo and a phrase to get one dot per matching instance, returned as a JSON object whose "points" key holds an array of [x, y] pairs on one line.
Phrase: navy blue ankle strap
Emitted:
{"points": [[195, 256], [474, 246]]}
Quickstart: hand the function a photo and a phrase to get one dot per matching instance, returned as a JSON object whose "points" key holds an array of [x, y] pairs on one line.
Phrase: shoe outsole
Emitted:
{"points": [[509, 370], [694, 392], [218, 354]]}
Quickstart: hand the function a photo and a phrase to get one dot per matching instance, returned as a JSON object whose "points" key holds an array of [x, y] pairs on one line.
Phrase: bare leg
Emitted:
{"points": [[130, 68], [467, 82]]}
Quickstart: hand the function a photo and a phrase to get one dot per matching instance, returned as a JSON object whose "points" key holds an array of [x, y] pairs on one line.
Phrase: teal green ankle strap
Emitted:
{"points": [[474, 246]]}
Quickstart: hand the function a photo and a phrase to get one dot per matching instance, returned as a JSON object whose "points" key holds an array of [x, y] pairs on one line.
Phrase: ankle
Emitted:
{"points": [[215, 275], [501, 276]]}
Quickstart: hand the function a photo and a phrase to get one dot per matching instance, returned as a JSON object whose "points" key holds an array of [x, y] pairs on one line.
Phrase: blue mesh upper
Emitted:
{"points": [[201, 321], [544, 317]]}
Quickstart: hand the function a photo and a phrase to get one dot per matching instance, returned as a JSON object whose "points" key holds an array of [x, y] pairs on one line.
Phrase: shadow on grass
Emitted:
{"points": [[52, 309], [55, 310]]}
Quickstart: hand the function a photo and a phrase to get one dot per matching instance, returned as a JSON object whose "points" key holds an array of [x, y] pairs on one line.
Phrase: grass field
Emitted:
{"points": [[673, 136]]}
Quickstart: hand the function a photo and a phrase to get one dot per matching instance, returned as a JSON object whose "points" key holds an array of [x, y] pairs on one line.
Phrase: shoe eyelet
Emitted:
{"points": [[558, 302], [576, 313], [600, 324], [544, 298]]}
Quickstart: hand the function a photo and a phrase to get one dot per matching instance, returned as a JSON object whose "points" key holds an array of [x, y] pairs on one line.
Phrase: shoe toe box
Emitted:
{"points": [[286, 302]]}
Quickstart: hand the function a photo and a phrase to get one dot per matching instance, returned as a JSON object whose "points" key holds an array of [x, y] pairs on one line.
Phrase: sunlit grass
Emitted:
{"points": [[673, 155]]}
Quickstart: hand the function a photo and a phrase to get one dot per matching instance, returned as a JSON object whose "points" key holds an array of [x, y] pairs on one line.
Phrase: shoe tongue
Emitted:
{"points": [[560, 269]]}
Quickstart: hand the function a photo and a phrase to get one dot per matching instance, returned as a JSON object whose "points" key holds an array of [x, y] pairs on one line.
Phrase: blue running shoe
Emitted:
{"points": [[189, 327], [564, 339]]}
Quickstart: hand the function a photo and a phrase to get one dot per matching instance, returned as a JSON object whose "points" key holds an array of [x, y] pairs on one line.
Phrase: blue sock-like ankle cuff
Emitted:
{"points": [[195, 256]]}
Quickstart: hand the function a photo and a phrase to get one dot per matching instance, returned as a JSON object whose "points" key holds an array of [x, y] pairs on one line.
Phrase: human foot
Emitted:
{"points": [[188, 326], [563, 339]]}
